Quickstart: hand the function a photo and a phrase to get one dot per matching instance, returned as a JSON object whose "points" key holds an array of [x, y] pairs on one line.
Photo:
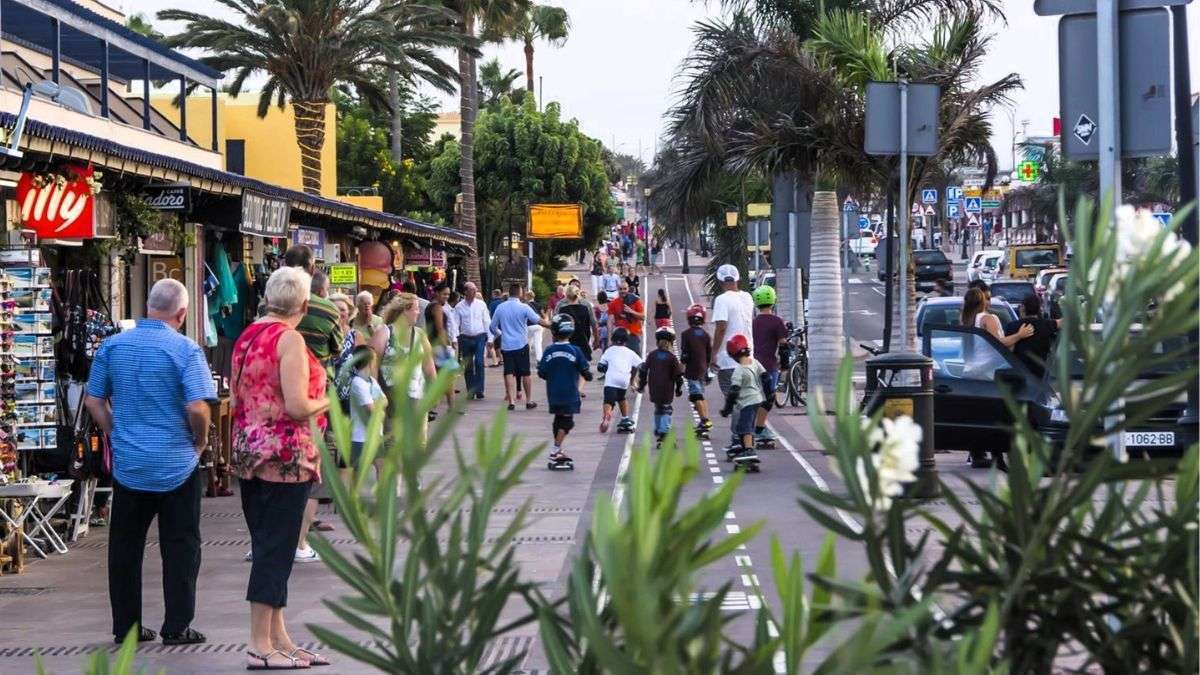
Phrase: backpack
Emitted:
{"points": [[342, 381], [393, 357]]}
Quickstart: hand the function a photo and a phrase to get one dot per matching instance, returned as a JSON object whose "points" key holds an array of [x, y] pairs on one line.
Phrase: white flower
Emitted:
{"points": [[895, 446]]}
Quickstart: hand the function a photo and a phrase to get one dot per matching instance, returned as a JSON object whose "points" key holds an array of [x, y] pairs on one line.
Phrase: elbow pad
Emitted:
{"points": [[587, 375]]}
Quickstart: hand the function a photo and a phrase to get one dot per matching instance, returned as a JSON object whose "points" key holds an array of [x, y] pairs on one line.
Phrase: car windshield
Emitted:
{"points": [[1038, 257], [1013, 294], [929, 257]]}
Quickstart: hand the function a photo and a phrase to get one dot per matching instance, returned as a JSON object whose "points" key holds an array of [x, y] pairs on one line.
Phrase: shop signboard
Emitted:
{"points": [[311, 237], [168, 197], [58, 209], [425, 257], [343, 274], [159, 243], [555, 221], [264, 216]]}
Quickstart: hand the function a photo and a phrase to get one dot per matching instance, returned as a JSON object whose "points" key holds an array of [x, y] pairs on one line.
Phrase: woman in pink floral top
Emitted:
{"points": [[278, 394]]}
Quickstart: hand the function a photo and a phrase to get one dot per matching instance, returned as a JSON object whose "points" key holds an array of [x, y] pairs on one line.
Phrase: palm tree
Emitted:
{"points": [[826, 342], [308, 47], [138, 23], [471, 13], [536, 22], [495, 83]]}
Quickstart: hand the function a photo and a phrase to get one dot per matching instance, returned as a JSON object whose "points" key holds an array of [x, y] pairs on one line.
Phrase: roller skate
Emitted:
{"points": [[625, 426], [658, 441], [560, 462], [704, 429], [745, 459], [732, 450], [765, 440]]}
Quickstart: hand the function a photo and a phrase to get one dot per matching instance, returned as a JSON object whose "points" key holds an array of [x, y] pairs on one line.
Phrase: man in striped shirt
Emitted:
{"points": [[149, 389]]}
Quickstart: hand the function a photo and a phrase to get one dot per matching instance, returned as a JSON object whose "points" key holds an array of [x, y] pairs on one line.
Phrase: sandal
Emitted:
{"points": [[189, 636], [322, 526], [313, 658], [144, 635], [295, 664]]}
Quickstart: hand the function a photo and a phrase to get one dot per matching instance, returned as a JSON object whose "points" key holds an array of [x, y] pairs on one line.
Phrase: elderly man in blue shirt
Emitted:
{"points": [[149, 389], [510, 321]]}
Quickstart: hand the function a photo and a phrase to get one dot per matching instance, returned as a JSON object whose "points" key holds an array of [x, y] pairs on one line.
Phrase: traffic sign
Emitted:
{"points": [[928, 196], [1030, 172], [972, 205], [953, 193], [759, 210], [929, 210], [952, 210], [1164, 218], [990, 203], [972, 191], [864, 222]]}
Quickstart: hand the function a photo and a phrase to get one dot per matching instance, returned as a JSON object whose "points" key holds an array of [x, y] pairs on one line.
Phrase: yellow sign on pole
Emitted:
{"points": [[758, 210], [555, 221], [972, 192], [343, 274]]}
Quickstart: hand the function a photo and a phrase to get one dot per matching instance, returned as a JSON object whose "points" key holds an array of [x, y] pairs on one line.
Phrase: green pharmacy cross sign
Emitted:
{"points": [[1029, 171]]}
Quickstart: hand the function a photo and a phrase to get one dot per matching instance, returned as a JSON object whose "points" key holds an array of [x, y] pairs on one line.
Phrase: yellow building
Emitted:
{"points": [[263, 148]]}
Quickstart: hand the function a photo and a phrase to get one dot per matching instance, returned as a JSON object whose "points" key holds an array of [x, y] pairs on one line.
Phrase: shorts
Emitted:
{"points": [[516, 362], [743, 424], [695, 388], [614, 395], [563, 408], [772, 381]]}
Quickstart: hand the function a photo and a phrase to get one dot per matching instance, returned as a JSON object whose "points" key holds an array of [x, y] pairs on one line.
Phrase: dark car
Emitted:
{"points": [[929, 265], [969, 368], [1012, 292]]}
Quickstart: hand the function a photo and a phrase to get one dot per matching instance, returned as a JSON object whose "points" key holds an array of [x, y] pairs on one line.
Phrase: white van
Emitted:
{"points": [[983, 259]]}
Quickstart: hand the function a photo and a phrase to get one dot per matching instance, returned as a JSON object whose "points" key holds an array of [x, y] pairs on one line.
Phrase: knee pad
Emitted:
{"points": [[768, 403], [563, 423], [695, 397]]}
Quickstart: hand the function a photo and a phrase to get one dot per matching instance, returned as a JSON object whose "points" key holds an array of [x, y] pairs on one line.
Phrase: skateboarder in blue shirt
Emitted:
{"points": [[561, 367]]}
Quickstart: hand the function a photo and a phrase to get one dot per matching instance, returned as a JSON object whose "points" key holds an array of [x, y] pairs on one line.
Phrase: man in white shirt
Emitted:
{"points": [[611, 282], [733, 314], [472, 318]]}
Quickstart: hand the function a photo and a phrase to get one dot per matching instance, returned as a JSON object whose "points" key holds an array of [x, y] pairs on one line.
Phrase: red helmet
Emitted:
{"points": [[737, 345], [696, 311]]}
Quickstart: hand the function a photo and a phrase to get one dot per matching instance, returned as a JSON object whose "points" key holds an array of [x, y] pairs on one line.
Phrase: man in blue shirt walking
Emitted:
{"points": [[509, 321], [149, 389]]}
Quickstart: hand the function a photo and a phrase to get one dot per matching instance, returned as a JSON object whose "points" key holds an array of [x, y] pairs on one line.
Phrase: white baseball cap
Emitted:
{"points": [[728, 273]]}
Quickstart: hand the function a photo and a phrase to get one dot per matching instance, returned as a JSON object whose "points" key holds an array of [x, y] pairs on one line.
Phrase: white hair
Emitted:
{"points": [[287, 289], [167, 296], [363, 295]]}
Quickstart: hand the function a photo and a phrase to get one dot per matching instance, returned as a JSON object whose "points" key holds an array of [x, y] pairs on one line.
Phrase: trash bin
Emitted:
{"points": [[902, 384]]}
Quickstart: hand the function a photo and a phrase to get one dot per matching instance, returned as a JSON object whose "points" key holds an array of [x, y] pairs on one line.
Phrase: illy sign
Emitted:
{"points": [[172, 197], [58, 209]]}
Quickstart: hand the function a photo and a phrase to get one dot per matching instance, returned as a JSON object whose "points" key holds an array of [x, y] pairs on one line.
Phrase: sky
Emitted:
{"points": [[617, 72]]}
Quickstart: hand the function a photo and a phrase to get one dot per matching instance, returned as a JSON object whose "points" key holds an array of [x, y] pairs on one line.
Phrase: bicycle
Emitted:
{"points": [[793, 382]]}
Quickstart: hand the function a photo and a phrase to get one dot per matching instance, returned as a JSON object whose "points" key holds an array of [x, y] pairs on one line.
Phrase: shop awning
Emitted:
{"points": [[105, 153]]}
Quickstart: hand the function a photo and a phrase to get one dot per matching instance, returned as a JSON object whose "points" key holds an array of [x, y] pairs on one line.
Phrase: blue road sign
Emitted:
{"points": [[972, 205], [864, 222], [953, 193], [1164, 218], [952, 210], [849, 206], [928, 196]]}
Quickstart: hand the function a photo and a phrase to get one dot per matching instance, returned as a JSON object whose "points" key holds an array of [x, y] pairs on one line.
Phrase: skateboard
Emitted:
{"points": [[764, 443], [561, 464], [747, 462]]}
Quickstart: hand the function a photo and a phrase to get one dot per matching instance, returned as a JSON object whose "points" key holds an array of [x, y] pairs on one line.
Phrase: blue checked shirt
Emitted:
{"points": [[149, 375]]}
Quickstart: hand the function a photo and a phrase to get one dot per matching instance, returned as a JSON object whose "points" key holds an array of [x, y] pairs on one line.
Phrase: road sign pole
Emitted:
{"points": [[797, 290], [758, 251], [902, 263], [529, 268]]}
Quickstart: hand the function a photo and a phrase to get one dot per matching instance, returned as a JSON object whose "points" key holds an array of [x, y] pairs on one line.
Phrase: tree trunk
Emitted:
{"points": [[529, 69], [393, 91], [310, 136], [826, 334], [466, 168]]}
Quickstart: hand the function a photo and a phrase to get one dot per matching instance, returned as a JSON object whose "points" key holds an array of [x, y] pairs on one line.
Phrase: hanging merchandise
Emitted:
{"points": [[27, 366], [85, 320]]}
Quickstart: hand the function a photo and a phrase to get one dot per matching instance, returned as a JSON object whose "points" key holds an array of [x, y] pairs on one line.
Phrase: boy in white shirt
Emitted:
{"points": [[365, 396], [617, 363]]}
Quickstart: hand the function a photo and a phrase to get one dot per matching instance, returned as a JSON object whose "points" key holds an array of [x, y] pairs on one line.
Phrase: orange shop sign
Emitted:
{"points": [[58, 206]]}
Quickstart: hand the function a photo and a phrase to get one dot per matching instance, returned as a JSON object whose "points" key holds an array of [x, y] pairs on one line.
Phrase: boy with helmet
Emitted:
{"points": [[617, 364], [770, 333], [561, 367], [695, 351], [663, 372], [743, 401]]}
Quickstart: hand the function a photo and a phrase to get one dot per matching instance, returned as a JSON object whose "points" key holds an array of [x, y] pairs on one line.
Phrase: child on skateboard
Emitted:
{"points": [[743, 401], [617, 364], [663, 372], [561, 367], [770, 333], [695, 351]]}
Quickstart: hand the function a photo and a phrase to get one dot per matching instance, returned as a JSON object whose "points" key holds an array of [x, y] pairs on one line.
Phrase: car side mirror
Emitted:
{"points": [[1010, 378]]}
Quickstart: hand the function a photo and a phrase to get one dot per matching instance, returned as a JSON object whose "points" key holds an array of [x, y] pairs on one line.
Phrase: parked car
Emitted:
{"points": [[969, 368], [947, 311], [1011, 291], [929, 265], [1042, 281], [1025, 260], [978, 260], [1055, 289], [864, 244]]}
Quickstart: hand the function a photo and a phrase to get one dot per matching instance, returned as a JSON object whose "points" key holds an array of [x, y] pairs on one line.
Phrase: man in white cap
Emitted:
{"points": [[733, 314]]}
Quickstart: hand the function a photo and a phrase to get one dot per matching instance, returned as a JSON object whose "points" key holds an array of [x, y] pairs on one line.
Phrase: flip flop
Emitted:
{"points": [[267, 665], [313, 658]]}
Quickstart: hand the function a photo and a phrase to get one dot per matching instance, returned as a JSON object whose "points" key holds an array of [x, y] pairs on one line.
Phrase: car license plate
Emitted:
{"points": [[1149, 438]]}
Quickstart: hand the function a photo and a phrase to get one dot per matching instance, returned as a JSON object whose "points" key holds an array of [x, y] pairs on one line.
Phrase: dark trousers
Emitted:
{"points": [[472, 348], [178, 513], [273, 514]]}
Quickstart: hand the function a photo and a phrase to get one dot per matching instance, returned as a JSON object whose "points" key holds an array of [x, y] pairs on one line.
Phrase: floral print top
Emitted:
{"points": [[267, 443]]}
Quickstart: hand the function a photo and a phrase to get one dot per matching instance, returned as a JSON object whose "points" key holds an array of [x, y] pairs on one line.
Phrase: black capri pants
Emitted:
{"points": [[273, 513]]}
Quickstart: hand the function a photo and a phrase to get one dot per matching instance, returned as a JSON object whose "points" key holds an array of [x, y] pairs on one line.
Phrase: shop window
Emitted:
{"points": [[235, 156]]}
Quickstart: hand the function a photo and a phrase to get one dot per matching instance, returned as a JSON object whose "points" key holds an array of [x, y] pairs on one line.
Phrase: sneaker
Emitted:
{"points": [[249, 557], [304, 555], [477, 396]]}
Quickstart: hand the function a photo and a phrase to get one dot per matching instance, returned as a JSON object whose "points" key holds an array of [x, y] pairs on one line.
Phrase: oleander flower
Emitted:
{"points": [[894, 446]]}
